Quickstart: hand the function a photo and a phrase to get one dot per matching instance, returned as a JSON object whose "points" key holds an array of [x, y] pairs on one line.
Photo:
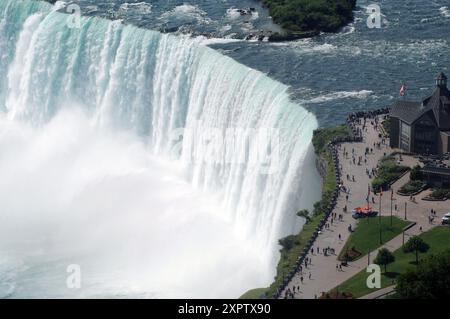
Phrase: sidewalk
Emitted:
{"points": [[379, 293], [323, 270]]}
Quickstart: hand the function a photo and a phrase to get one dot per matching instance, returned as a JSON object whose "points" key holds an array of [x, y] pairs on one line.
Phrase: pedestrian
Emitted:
{"points": [[339, 236], [309, 275], [301, 279], [337, 267]]}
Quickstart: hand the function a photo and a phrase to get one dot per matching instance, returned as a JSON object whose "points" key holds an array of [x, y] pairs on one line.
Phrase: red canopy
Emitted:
{"points": [[363, 210]]}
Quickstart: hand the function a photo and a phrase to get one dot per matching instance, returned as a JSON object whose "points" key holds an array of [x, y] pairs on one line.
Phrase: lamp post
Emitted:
{"points": [[379, 216], [406, 204], [392, 195]]}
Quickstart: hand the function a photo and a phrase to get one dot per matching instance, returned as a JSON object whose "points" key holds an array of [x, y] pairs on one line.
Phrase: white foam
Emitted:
{"points": [[136, 7], [235, 14], [445, 12], [89, 176], [187, 11], [363, 94]]}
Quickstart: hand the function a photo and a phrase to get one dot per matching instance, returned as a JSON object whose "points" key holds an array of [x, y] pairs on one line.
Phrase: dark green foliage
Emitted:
{"points": [[440, 193], [430, 280], [387, 125], [384, 258], [411, 187], [415, 245], [305, 214], [288, 242], [416, 173], [307, 15], [388, 172]]}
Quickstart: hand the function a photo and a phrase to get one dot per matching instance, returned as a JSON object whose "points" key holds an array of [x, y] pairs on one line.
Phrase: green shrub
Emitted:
{"points": [[440, 193], [429, 281], [416, 173], [388, 172], [305, 214], [411, 187], [288, 242]]}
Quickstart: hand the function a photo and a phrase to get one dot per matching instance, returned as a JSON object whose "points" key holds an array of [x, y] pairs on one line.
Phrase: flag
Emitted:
{"points": [[403, 90]]}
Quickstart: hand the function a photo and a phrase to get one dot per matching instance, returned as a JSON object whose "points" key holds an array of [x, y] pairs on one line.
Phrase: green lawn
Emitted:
{"points": [[367, 234], [323, 136], [254, 293], [438, 238]]}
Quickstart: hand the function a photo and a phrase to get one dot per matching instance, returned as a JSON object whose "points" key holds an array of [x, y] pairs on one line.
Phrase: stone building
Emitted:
{"points": [[423, 127]]}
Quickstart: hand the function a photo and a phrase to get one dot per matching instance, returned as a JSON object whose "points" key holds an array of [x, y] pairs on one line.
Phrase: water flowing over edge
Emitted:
{"points": [[162, 87]]}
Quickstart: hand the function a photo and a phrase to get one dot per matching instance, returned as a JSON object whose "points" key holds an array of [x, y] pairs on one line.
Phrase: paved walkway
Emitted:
{"points": [[379, 293], [322, 274]]}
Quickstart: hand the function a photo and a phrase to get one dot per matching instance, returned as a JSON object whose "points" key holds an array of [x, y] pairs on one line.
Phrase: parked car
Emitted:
{"points": [[363, 213], [446, 219]]}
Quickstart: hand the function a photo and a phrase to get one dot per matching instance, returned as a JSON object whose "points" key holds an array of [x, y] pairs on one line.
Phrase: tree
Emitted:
{"points": [[429, 280], [288, 242], [305, 214], [384, 258], [416, 173], [416, 244]]}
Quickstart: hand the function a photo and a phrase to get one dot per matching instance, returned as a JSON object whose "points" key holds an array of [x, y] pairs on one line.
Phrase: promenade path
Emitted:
{"points": [[380, 293], [322, 274]]}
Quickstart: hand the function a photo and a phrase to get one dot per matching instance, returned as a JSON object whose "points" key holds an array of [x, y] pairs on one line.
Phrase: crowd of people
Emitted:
{"points": [[357, 122]]}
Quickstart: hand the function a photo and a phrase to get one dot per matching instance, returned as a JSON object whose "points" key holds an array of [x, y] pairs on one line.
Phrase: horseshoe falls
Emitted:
{"points": [[128, 161]]}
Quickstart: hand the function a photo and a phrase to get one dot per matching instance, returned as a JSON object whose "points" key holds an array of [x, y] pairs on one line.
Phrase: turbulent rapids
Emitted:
{"points": [[101, 164]]}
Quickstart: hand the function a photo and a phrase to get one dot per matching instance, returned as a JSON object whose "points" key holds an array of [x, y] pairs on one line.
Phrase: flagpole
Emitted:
{"points": [[368, 195], [379, 216], [392, 196]]}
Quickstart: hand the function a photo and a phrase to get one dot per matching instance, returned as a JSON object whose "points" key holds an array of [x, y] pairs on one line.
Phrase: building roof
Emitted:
{"points": [[436, 170], [407, 111], [438, 103], [442, 76]]}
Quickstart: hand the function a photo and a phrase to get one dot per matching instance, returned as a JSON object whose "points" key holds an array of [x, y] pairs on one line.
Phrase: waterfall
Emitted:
{"points": [[231, 131]]}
